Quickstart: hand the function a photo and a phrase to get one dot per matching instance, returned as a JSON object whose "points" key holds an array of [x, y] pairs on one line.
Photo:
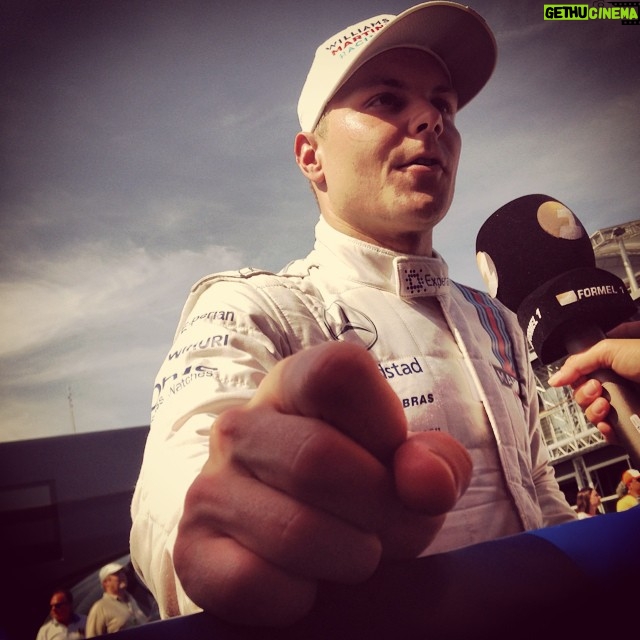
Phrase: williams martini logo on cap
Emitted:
{"points": [[354, 37]]}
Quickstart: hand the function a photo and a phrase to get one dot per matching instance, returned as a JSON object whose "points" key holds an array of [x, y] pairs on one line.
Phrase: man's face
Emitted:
{"points": [[61, 609], [389, 150], [115, 582]]}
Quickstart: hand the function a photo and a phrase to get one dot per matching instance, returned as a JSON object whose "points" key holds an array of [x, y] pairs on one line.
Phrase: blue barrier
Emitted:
{"points": [[566, 581]]}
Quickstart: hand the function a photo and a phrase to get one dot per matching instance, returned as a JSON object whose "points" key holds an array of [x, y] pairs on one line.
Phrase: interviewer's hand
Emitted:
{"points": [[314, 479], [619, 352]]}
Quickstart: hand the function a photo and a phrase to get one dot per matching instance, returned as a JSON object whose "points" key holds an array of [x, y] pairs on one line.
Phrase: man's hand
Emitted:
{"points": [[314, 479], [620, 352]]}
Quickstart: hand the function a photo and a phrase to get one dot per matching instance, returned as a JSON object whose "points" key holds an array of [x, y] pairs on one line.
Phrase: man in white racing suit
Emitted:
{"points": [[307, 424]]}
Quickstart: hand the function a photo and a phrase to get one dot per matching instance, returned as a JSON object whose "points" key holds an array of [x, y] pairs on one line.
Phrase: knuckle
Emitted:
{"points": [[309, 460], [295, 532], [206, 496], [228, 425], [199, 490]]}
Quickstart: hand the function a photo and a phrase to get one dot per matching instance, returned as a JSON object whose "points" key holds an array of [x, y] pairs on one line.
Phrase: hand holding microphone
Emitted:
{"points": [[620, 352], [536, 258]]}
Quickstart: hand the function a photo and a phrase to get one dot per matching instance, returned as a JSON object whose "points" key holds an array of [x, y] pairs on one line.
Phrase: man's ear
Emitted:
{"points": [[308, 157]]}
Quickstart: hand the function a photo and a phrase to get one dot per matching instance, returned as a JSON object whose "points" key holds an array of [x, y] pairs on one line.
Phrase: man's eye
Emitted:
{"points": [[444, 106], [386, 100]]}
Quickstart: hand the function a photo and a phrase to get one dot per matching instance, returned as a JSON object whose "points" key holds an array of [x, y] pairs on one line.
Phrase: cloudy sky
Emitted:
{"points": [[145, 143]]}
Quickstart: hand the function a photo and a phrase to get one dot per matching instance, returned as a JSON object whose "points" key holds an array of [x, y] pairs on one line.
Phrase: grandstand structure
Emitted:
{"points": [[578, 452]]}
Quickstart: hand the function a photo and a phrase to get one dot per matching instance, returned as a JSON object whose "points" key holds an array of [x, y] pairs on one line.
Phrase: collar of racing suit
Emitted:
{"points": [[408, 276]]}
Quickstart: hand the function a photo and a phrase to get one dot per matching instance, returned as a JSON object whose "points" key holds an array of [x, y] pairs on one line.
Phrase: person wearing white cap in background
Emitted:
{"points": [[117, 609], [311, 424], [629, 490]]}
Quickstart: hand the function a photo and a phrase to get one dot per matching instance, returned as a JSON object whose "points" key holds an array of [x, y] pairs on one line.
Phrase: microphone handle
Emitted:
{"points": [[623, 395]]}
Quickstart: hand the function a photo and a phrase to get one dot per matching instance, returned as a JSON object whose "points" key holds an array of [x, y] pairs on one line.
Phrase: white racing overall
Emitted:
{"points": [[455, 357]]}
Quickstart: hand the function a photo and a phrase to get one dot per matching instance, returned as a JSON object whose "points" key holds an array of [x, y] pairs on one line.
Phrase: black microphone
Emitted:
{"points": [[536, 258]]}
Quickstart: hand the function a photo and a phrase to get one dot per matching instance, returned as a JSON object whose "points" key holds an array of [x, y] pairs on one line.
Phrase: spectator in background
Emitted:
{"points": [[64, 623], [587, 502], [629, 490], [117, 609]]}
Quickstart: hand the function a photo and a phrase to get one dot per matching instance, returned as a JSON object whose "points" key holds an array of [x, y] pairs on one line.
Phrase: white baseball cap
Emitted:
{"points": [[108, 570], [455, 34]]}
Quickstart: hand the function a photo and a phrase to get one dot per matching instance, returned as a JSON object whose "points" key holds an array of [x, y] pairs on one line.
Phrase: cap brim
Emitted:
{"points": [[109, 570], [457, 34]]}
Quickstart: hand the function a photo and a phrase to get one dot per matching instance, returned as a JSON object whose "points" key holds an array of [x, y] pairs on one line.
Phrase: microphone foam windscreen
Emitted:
{"points": [[527, 242]]}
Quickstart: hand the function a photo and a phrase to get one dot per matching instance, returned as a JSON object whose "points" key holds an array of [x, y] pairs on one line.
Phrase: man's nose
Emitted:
{"points": [[427, 118]]}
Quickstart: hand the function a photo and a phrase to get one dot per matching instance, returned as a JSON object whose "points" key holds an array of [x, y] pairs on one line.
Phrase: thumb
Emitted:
{"points": [[340, 384], [432, 471]]}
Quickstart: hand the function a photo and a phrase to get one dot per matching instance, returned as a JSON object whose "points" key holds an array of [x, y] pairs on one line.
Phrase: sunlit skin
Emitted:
{"points": [[383, 159], [267, 518]]}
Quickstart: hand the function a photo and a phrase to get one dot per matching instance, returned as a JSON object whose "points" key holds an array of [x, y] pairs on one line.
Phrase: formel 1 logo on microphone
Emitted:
{"points": [[569, 297]]}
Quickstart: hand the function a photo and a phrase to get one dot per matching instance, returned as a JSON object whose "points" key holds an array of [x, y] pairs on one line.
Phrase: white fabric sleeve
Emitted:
{"points": [[225, 344]]}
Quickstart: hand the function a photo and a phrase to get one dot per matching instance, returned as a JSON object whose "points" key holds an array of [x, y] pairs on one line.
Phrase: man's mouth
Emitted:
{"points": [[423, 161]]}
